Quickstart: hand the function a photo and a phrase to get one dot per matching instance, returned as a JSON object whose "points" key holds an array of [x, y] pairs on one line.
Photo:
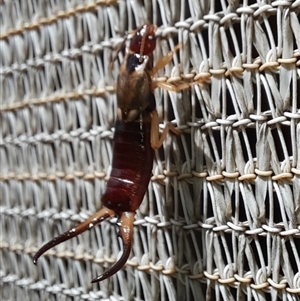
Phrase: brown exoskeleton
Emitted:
{"points": [[136, 137]]}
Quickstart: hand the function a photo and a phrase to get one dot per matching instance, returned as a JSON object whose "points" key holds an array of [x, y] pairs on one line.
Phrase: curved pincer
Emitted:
{"points": [[126, 229], [126, 220], [92, 221]]}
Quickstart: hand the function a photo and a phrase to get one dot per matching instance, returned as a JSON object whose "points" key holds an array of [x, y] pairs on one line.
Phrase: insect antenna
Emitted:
{"points": [[119, 49]]}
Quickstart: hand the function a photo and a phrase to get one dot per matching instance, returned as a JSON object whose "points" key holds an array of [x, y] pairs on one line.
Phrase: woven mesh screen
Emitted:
{"points": [[221, 219]]}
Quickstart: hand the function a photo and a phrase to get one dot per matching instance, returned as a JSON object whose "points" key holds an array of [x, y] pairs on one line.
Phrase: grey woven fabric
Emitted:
{"points": [[221, 219]]}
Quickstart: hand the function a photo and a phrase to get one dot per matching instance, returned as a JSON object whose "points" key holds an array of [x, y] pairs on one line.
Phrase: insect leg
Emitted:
{"points": [[164, 60], [126, 219], [171, 87], [156, 140], [92, 221]]}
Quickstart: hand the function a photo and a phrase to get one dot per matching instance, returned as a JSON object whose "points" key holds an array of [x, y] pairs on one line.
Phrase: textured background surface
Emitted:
{"points": [[221, 219]]}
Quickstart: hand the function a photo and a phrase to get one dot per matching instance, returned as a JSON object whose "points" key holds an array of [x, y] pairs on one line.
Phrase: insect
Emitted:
{"points": [[136, 136]]}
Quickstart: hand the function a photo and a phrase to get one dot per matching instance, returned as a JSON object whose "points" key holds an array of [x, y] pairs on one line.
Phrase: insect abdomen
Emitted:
{"points": [[131, 167]]}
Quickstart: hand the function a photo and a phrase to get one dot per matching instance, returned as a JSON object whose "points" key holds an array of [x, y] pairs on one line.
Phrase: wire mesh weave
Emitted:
{"points": [[221, 219]]}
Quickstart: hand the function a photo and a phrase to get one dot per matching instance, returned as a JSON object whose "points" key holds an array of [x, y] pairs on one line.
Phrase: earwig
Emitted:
{"points": [[136, 136]]}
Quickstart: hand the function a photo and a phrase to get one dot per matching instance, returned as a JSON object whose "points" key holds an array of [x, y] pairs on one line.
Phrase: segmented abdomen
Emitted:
{"points": [[131, 167]]}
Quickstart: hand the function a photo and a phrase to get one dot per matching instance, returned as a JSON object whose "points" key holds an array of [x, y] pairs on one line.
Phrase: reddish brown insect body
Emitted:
{"points": [[135, 137], [131, 167]]}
